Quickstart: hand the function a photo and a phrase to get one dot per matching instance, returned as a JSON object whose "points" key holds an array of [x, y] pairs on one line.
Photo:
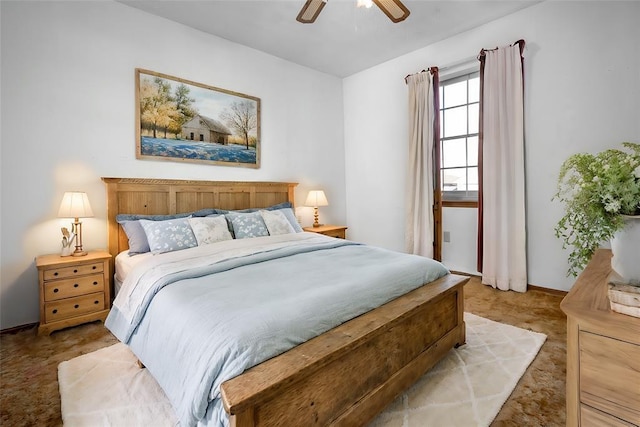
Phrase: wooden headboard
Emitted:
{"points": [[171, 196]]}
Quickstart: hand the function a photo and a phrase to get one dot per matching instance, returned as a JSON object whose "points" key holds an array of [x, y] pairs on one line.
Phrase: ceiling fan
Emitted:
{"points": [[394, 9]]}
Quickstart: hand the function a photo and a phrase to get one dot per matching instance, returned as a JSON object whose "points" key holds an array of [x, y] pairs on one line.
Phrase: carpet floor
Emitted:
{"points": [[28, 363]]}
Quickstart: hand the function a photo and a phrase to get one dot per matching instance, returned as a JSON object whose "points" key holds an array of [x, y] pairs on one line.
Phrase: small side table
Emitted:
{"points": [[338, 231], [73, 290]]}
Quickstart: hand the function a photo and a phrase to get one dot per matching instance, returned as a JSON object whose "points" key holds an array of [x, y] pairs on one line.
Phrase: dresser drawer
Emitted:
{"points": [[59, 289], [340, 234], [72, 307], [610, 376], [77, 270]]}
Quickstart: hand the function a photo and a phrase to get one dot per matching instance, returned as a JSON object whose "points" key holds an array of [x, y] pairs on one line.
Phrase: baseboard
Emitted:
{"points": [[549, 291], [17, 329]]}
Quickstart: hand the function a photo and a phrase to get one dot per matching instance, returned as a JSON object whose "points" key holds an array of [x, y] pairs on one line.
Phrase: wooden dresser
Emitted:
{"points": [[603, 353], [73, 290]]}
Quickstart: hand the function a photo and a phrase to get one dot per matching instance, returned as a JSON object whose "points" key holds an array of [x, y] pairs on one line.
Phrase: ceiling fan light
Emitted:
{"points": [[310, 11], [394, 9], [364, 3]]}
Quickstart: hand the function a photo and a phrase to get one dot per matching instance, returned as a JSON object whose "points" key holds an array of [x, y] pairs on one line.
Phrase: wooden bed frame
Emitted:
{"points": [[345, 376]]}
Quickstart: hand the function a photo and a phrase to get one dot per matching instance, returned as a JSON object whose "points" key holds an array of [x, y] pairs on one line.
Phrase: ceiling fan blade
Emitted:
{"points": [[394, 9], [310, 11]]}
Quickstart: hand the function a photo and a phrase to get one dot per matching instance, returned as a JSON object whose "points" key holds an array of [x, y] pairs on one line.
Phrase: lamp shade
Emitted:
{"points": [[75, 204], [316, 198]]}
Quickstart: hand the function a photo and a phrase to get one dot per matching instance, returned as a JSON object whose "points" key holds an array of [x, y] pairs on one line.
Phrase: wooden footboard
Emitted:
{"points": [[349, 374]]}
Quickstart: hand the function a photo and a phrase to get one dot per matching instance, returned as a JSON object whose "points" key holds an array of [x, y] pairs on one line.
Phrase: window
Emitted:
{"points": [[459, 121]]}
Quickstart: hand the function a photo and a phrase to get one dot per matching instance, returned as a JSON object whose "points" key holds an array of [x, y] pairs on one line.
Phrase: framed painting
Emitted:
{"points": [[184, 121]]}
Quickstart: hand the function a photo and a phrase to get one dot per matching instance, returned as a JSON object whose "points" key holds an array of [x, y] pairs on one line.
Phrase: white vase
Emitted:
{"points": [[625, 246]]}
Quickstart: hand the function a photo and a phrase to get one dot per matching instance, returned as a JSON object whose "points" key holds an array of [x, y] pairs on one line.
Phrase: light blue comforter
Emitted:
{"points": [[196, 328]]}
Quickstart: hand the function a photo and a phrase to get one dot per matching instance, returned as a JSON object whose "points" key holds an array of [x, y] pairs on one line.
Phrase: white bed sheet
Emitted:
{"points": [[124, 264]]}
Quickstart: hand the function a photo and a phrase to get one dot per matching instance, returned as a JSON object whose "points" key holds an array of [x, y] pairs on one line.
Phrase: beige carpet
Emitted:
{"points": [[467, 388]]}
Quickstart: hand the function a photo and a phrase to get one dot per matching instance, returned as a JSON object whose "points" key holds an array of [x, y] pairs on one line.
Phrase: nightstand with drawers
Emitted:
{"points": [[338, 231], [73, 290]]}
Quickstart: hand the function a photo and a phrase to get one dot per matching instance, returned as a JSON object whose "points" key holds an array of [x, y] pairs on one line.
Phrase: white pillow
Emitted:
{"points": [[210, 229], [276, 222]]}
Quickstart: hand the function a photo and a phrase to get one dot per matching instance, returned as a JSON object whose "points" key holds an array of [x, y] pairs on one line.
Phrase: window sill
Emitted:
{"points": [[459, 204]]}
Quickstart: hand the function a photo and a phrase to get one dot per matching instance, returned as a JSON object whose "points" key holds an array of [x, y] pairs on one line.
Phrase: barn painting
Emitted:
{"points": [[180, 120]]}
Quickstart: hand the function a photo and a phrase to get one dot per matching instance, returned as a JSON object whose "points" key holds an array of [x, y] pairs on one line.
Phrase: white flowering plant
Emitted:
{"points": [[596, 191]]}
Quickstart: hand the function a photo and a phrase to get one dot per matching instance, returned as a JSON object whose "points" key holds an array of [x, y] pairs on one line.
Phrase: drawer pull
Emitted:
{"points": [[55, 290], [75, 271], [94, 267], [55, 274], [95, 283], [55, 311], [76, 306], [96, 302], [75, 285]]}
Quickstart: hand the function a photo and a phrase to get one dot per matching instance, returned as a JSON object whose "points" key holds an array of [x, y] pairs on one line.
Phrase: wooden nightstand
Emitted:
{"points": [[338, 231], [73, 290]]}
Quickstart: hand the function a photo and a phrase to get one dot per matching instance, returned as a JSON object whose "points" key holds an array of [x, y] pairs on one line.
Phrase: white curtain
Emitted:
{"points": [[504, 263], [419, 195]]}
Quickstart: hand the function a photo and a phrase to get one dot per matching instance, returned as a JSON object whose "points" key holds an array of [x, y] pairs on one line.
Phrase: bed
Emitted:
{"points": [[344, 376]]}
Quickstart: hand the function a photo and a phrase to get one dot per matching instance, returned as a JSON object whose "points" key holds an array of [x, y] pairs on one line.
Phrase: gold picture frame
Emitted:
{"points": [[184, 121]]}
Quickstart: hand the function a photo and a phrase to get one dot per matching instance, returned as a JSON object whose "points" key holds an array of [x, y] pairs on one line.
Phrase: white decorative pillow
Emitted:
{"points": [[169, 235], [288, 213], [210, 229], [276, 222]]}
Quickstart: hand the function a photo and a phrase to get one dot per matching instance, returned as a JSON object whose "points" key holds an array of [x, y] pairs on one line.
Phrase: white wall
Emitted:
{"points": [[67, 89], [582, 93]]}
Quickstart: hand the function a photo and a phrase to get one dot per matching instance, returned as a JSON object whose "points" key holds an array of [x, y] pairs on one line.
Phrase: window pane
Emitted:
{"points": [[441, 88], [472, 151], [474, 118], [455, 94], [454, 153], [473, 179], [459, 117], [454, 179], [455, 121], [474, 89]]}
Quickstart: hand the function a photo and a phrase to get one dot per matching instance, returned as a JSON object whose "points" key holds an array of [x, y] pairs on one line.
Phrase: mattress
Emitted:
{"points": [[124, 263]]}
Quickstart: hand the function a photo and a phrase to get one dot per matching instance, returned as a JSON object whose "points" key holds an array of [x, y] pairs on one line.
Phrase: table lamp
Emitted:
{"points": [[316, 198], [75, 204]]}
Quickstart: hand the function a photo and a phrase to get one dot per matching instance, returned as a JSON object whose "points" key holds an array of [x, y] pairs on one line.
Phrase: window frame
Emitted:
{"points": [[466, 199]]}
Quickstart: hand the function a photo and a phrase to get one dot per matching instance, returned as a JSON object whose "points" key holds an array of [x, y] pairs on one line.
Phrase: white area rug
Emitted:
{"points": [[467, 388]]}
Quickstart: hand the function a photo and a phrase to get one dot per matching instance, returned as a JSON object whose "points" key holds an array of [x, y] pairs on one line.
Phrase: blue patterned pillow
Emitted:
{"points": [[247, 225], [138, 243], [169, 235]]}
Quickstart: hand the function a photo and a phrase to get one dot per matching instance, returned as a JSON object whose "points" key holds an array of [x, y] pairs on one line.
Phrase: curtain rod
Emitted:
{"points": [[446, 67], [431, 69]]}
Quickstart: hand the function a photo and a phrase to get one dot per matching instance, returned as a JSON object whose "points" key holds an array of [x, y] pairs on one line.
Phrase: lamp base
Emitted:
{"points": [[79, 253], [315, 217]]}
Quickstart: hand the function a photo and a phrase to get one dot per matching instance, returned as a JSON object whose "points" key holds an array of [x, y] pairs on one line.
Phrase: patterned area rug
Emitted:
{"points": [[467, 388]]}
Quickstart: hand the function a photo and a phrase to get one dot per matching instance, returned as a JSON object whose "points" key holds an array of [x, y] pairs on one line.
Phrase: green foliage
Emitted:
{"points": [[162, 111], [596, 190]]}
